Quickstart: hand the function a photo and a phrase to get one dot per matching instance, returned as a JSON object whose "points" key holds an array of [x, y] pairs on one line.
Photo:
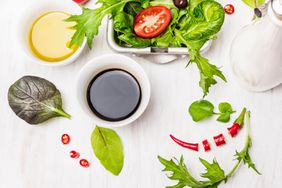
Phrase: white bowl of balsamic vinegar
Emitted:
{"points": [[113, 90]]}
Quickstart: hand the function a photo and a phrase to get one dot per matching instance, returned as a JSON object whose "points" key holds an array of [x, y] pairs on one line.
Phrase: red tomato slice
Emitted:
{"points": [[152, 21]]}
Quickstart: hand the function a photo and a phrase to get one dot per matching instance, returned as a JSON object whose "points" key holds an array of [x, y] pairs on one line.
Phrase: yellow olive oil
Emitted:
{"points": [[50, 37]]}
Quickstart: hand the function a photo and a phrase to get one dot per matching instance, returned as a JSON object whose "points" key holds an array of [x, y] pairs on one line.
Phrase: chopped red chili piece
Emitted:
{"points": [[74, 154], [65, 139], [238, 123], [219, 140], [234, 129], [206, 145], [191, 146], [84, 163]]}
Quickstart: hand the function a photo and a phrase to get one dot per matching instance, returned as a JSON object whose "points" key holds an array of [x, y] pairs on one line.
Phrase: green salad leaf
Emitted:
{"points": [[214, 174], [253, 3], [225, 110], [123, 23], [202, 109], [205, 21], [191, 27], [88, 23], [35, 100], [108, 149]]}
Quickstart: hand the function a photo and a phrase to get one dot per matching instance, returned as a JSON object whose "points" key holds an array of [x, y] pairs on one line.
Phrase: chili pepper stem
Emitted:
{"points": [[241, 118]]}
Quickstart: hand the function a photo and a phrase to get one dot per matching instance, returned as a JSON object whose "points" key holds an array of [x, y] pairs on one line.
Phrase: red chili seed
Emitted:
{"points": [[65, 139], [84, 163], [219, 140], [206, 145], [229, 9], [74, 154]]}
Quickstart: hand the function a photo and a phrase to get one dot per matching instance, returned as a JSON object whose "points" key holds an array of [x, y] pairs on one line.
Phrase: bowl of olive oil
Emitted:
{"points": [[44, 34]]}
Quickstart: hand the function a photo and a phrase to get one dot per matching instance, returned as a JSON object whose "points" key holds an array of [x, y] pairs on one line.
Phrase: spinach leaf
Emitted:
{"points": [[108, 149], [201, 109], [35, 100]]}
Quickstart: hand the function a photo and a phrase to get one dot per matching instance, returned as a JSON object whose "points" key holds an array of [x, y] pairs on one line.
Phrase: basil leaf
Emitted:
{"points": [[201, 109], [35, 100], [108, 149]]}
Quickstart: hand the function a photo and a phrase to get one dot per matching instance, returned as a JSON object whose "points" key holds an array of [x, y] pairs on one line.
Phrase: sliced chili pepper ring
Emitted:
{"points": [[84, 163], [219, 140], [65, 139], [206, 145], [233, 130]]}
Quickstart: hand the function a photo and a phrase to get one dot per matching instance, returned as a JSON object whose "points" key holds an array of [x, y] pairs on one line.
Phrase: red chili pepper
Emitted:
{"points": [[206, 145], [84, 163], [191, 146], [65, 139], [74, 154], [233, 130], [219, 140], [238, 123]]}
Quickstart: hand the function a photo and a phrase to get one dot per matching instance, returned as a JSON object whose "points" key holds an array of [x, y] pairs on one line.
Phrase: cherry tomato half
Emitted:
{"points": [[229, 9], [152, 21], [81, 2], [84, 163], [65, 139]]}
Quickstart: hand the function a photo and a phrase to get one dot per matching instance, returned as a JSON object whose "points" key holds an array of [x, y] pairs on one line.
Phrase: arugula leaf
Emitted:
{"points": [[253, 3], [214, 174], [225, 112], [201, 109], [89, 21], [179, 172], [213, 171], [108, 149]]}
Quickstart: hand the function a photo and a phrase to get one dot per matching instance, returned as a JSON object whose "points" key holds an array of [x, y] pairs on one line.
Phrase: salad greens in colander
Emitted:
{"points": [[189, 27]]}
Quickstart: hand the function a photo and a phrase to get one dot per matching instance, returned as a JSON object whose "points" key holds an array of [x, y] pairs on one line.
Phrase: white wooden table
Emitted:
{"points": [[33, 157]]}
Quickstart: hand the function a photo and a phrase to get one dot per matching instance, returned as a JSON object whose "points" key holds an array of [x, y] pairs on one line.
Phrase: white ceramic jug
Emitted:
{"points": [[256, 51]]}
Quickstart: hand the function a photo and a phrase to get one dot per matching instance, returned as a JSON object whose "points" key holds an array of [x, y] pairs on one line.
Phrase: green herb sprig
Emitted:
{"points": [[214, 174]]}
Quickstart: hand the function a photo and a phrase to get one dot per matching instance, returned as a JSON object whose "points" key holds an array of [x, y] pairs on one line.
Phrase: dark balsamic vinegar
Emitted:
{"points": [[114, 95]]}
